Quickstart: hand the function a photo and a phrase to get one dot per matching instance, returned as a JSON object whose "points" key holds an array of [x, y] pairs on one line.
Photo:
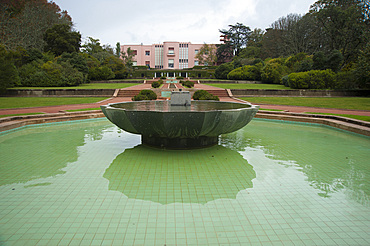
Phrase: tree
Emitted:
{"points": [[288, 35], [118, 49], [92, 46], [117, 66], [8, 72], [128, 60], [24, 22], [207, 55], [237, 37], [362, 68], [222, 71], [60, 38], [344, 25]]}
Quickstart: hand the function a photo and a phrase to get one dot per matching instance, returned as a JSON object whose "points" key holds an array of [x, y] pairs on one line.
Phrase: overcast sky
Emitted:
{"points": [[151, 21]]}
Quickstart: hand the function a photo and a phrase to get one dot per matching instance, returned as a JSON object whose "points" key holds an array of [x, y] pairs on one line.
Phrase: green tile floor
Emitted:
{"points": [[270, 183]]}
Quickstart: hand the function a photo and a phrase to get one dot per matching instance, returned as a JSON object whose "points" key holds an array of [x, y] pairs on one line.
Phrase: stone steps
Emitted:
{"points": [[127, 93], [219, 93]]}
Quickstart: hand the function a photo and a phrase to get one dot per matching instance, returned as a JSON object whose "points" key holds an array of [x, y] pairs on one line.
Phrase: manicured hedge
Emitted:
{"points": [[247, 72], [204, 95], [145, 95], [314, 79]]}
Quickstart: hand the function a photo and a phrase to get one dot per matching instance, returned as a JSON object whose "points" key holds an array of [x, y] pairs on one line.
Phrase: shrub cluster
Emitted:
{"points": [[204, 95], [187, 83], [145, 95], [314, 79], [156, 84], [247, 72]]}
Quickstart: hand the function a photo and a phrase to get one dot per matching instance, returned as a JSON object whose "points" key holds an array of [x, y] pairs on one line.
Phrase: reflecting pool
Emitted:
{"points": [[270, 183]]}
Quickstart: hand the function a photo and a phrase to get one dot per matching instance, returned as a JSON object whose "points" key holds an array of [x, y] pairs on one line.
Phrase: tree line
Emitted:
{"points": [[39, 47], [332, 40], [329, 45]]}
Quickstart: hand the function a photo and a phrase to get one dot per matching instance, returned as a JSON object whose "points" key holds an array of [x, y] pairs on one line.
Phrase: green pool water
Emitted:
{"points": [[270, 183]]}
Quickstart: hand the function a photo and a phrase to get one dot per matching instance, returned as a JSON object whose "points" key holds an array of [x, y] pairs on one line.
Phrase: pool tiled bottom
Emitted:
{"points": [[270, 183]]}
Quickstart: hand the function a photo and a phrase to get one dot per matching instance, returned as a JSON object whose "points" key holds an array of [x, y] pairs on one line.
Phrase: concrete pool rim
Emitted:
{"points": [[342, 123]]}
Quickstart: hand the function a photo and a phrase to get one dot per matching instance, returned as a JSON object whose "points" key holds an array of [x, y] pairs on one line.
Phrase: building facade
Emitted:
{"points": [[169, 55]]}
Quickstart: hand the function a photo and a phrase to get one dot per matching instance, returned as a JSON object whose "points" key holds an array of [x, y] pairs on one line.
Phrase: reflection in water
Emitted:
{"points": [[331, 160], [34, 153], [194, 176]]}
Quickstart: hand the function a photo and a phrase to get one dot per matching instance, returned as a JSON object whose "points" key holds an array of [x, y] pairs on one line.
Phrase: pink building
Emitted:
{"points": [[169, 55]]}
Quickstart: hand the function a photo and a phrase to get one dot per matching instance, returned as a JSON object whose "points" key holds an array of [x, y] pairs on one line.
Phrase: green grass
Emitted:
{"points": [[86, 86], [357, 117], [354, 103], [9, 115], [250, 86], [23, 102]]}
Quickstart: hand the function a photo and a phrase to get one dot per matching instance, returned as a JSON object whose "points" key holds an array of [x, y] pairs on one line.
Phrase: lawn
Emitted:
{"points": [[86, 86], [23, 102], [250, 86], [355, 103]]}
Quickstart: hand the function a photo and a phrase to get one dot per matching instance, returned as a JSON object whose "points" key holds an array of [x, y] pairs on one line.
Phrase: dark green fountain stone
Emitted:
{"points": [[180, 127]]}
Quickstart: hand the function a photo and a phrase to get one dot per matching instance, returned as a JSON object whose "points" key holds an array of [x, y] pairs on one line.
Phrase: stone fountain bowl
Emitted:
{"points": [[198, 125]]}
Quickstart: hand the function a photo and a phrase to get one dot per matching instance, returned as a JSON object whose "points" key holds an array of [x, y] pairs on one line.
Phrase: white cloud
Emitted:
{"points": [[197, 21]]}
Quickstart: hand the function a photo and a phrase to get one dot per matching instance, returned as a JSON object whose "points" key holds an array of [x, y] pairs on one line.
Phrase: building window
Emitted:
{"points": [[134, 63], [147, 53], [134, 52], [196, 63], [147, 63], [171, 63], [196, 51], [171, 51]]}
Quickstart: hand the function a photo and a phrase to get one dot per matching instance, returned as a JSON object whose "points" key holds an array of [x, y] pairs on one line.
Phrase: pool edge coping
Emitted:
{"points": [[12, 122]]}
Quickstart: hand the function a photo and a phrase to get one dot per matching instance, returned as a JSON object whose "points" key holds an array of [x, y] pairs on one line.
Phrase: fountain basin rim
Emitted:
{"points": [[173, 108]]}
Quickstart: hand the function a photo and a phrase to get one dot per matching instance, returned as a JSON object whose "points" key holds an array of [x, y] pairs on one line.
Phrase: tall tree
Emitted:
{"points": [[344, 24], [289, 35], [24, 22], [118, 49], [92, 46], [237, 37], [60, 38]]}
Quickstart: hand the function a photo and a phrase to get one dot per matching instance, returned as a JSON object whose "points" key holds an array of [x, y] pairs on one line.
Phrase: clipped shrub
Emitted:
{"points": [[188, 83], [179, 77], [285, 80], [156, 84], [247, 72], [163, 77], [204, 95], [314, 79], [273, 72], [223, 70], [145, 95], [298, 80]]}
